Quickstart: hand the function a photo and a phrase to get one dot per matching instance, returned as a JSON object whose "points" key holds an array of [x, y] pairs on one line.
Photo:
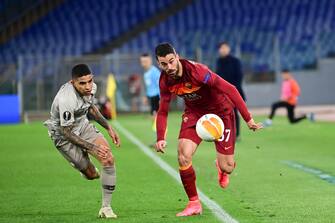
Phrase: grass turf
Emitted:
{"points": [[38, 185]]}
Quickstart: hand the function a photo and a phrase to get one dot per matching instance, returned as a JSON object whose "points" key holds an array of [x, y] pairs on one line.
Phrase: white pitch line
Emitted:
{"points": [[316, 172], [219, 212]]}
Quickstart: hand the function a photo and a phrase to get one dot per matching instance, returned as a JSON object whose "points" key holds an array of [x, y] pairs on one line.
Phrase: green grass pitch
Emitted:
{"points": [[38, 185]]}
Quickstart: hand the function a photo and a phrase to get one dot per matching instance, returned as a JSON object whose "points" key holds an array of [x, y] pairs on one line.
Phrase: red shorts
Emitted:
{"points": [[226, 147]]}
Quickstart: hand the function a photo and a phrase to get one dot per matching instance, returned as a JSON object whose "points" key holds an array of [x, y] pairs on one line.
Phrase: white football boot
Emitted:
{"points": [[107, 212], [267, 123]]}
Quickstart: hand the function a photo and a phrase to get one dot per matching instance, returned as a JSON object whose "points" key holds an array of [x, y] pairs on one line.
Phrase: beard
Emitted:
{"points": [[174, 74]]}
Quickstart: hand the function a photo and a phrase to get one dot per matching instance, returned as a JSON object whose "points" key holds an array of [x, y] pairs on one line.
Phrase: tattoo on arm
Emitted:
{"points": [[75, 139], [98, 117]]}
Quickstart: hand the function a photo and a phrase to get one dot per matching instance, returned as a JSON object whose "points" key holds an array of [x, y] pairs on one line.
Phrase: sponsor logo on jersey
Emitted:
{"points": [[191, 97], [183, 88]]}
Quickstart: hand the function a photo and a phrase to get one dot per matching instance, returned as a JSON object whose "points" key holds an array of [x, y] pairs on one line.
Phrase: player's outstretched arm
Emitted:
{"points": [[99, 118], [99, 150], [232, 92]]}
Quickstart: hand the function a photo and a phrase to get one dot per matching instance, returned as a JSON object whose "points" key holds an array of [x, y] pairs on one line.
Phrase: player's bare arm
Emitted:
{"points": [[99, 150], [99, 118]]}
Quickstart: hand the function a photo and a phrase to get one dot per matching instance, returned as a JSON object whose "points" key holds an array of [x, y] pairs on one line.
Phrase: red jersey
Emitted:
{"points": [[203, 92]]}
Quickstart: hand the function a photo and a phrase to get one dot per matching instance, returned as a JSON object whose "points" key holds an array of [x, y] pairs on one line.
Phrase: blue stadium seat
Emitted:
{"points": [[80, 26], [255, 23]]}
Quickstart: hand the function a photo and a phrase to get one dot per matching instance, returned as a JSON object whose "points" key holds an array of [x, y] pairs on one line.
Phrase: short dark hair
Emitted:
{"points": [[164, 49], [223, 43], [80, 70], [145, 55], [285, 71]]}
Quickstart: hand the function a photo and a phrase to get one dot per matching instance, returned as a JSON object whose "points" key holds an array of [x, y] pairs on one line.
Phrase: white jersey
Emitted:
{"points": [[69, 108]]}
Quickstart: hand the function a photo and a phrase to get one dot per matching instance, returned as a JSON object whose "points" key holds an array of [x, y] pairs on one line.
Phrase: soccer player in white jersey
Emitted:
{"points": [[75, 137]]}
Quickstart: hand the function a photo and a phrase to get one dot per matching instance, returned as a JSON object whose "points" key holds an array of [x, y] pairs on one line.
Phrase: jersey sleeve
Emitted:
{"points": [[208, 77], [66, 110], [162, 114]]}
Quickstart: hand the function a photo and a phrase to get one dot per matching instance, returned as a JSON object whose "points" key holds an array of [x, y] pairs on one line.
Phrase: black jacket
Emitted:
{"points": [[230, 69]]}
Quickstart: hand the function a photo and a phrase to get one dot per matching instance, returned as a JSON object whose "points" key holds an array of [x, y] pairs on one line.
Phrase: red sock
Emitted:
{"points": [[187, 176]]}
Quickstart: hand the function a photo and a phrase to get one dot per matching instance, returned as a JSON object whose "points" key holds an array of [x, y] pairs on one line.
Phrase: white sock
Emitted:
{"points": [[108, 180]]}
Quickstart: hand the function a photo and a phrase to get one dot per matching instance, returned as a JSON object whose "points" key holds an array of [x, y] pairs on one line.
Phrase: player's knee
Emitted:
{"points": [[184, 160], [108, 161]]}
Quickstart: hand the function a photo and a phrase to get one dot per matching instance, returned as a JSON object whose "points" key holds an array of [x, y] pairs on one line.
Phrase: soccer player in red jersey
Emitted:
{"points": [[203, 92]]}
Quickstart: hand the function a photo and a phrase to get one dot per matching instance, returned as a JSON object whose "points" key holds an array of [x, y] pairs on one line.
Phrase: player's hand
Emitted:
{"points": [[160, 146], [254, 126], [102, 151], [115, 137]]}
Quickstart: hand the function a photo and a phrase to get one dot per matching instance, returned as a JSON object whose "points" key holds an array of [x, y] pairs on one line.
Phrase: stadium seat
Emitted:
{"points": [[255, 24], [84, 23]]}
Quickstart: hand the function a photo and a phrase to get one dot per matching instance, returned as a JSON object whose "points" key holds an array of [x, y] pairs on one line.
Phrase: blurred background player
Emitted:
{"points": [[151, 81], [75, 137], [229, 68], [290, 90], [135, 89], [194, 82], [105, 107]]}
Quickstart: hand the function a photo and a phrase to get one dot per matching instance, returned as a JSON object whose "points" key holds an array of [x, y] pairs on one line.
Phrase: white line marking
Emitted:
{"points": [[212, 205], [316, 172]]}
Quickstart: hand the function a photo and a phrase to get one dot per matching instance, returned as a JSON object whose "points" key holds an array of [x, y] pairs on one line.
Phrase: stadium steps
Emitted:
{"points": [[143, 26], [27, 18]]}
